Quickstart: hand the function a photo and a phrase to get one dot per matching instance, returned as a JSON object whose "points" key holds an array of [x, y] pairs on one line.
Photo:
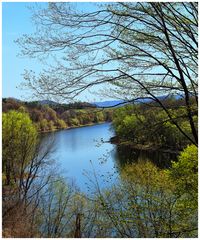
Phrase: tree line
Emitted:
{"points": [[59, 116], [146, 125]]}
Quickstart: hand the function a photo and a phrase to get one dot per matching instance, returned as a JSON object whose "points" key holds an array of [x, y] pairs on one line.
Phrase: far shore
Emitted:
{"points": [[72, 127]]}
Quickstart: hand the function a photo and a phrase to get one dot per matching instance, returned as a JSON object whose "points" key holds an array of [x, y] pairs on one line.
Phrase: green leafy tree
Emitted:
{"points": [[184, 173], [146, 204], [151, 126], [19, 139], [61, 124], [24, 160], [74, 122], [43, 125], [51, 125], [100, 116]]}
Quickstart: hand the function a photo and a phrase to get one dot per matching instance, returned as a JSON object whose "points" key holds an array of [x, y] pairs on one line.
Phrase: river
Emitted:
{"points": [[84, 156]]}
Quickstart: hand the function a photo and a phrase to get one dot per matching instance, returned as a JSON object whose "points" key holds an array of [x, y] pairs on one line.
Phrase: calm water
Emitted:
{"points": [[82, 153], [84, 156]]}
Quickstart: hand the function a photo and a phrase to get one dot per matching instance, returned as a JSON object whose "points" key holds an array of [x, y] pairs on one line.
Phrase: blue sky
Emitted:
{"points": [[16, 21]]}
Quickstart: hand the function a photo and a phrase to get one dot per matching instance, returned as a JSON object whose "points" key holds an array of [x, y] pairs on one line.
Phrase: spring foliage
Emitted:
{"points": [[151, 126], [19, 140]]}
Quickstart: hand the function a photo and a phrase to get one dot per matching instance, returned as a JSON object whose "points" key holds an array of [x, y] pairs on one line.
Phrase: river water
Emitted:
{"points": [[84, 156]]}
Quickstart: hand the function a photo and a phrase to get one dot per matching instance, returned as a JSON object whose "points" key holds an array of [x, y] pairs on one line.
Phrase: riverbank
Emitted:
{"points": [[143, 147], [72, 127]]}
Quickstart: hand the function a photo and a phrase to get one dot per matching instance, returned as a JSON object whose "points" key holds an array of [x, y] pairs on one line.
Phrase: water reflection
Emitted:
{"points": [[127, 155], [82, 151]]}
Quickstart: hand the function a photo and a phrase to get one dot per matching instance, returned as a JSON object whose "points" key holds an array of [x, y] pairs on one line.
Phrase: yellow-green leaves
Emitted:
{"points": [[19, 141], [184, 173]]}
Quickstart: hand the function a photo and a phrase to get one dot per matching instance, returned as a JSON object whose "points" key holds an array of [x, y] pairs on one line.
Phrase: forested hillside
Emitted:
{"points": [[49, 117], [148, 126]]}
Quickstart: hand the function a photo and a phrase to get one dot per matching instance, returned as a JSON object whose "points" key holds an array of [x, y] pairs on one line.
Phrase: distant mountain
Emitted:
{"points": [[109, 103], [118, 103]]}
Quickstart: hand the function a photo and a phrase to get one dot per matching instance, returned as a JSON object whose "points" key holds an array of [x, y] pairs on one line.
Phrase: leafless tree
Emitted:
{"points": [[138, 49], [20, 202]]}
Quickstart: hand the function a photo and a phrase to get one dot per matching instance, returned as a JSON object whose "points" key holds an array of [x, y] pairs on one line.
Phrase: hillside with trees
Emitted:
{"points": [[59, 116], [147, 126]]}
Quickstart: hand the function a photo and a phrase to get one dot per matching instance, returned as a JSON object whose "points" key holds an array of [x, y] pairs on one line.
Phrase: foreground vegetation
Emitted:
{"points": [[146, 202]]}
